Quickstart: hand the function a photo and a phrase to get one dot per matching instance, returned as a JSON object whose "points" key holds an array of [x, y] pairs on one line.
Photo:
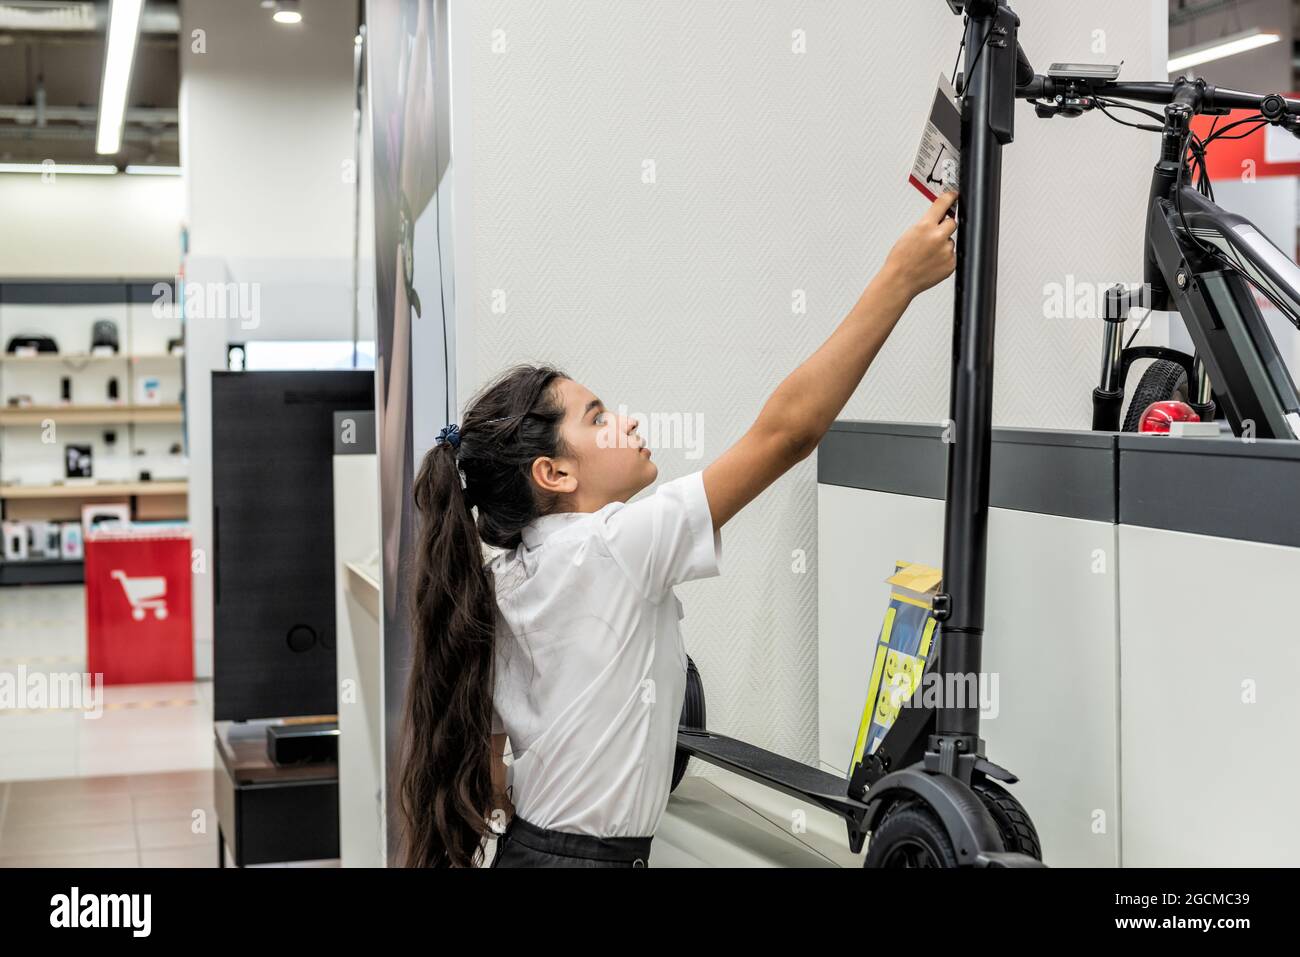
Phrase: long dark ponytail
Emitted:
{"points": [[445, 783]]}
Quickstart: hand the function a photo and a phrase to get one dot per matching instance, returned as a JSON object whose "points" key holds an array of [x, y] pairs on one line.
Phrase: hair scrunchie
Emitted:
{"points": [[451, 435]]}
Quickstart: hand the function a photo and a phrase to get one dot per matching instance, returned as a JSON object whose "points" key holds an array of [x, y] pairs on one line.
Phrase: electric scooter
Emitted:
{"points": [[927, 795]]}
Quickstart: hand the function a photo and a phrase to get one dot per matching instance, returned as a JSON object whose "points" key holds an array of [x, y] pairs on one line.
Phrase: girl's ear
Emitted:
{"points": [[555, 476]]}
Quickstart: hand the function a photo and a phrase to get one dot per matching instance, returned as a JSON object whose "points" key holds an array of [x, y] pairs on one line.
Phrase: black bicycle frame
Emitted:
{"points": [[1217, 305], [1234, 350]]}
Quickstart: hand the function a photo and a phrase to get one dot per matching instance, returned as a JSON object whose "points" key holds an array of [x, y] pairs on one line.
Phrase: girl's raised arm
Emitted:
{"points": [[798, 413]]}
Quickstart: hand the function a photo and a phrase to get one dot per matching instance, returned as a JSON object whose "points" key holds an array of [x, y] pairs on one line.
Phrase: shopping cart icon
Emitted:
{"points": [[143, 594]]}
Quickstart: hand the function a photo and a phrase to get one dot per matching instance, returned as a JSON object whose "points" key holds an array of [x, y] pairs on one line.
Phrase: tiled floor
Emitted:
{"points": [[143, 729], [140, 820], [132, 787]]}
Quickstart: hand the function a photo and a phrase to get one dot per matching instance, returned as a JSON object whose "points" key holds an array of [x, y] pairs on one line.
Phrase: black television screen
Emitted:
{"points": [[273, 539]]}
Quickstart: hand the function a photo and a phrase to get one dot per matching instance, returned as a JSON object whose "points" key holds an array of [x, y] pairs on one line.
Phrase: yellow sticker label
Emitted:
{"points": [[916, 577]]}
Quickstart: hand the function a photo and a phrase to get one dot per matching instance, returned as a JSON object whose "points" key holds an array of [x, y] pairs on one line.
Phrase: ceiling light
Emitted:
{"points": [[286, 11], [78, 168], [153, 170], [1223, 47], [123, 31]]}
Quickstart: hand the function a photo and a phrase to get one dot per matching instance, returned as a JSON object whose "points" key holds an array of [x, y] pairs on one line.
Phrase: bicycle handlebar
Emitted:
{"points": [[1200, 97]]}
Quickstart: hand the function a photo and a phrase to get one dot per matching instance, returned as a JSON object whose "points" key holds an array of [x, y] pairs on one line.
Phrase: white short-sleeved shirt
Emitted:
{"points": [[590, 668]]}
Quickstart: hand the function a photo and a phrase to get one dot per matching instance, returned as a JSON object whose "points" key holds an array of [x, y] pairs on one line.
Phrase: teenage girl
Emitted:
{"points": [[567, 643]]}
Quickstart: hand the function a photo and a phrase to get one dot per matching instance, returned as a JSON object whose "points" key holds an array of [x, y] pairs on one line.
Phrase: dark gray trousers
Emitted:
{"points": [[527, 845]]}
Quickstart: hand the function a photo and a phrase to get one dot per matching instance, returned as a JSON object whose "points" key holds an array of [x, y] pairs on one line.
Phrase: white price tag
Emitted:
{"points": [[938, 158]]}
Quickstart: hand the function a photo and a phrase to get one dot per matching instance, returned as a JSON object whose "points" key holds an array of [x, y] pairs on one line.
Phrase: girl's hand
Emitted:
{"points": [[925, 254]]}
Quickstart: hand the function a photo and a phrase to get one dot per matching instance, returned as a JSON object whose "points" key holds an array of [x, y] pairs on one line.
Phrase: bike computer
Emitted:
{"points": [[1083, 71]]}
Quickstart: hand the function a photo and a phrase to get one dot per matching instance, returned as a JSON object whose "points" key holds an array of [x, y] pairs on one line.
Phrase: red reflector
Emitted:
{"points": [[1158, 415]]}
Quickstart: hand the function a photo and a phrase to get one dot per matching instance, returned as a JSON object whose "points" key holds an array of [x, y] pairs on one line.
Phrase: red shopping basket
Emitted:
{"points": [[138, 625]]}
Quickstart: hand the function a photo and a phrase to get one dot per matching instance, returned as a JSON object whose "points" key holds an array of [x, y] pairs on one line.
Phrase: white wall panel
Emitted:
{"points": [[1210, 665]]}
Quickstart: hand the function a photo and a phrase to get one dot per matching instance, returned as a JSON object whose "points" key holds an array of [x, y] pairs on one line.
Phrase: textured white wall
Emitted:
{"points": [[775, 171]]}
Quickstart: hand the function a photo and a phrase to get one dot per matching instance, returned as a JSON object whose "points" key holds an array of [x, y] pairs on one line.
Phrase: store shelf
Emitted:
{"points": [[91, 414], [93, 490], [43, 571], [107, 407]]}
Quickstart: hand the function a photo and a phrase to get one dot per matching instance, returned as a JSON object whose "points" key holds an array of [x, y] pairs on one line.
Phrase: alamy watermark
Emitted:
{"points": [[659, 430], [938, 690], [210, 300], [21, 690], [1081, 299]]}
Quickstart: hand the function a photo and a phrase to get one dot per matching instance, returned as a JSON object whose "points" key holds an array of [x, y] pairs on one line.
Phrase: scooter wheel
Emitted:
{"points": [[692, 717], [1018, 833], [910, 836]]}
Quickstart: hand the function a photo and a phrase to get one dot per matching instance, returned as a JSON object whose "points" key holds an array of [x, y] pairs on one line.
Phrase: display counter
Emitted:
{"points": [[1133, 635]]}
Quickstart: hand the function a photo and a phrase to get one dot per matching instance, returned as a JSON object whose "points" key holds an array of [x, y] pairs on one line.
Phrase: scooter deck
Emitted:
{"points": [[799, 780]]}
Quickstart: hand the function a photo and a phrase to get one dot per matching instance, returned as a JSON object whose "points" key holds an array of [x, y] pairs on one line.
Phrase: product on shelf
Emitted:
{"points": [[28, 343], [15, 534], [148, 390], [92, 516], [71, 541], [44, 540], [103, 336], [78, 461]]}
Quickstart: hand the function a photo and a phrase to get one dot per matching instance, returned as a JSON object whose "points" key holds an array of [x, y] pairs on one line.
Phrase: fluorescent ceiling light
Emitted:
{"points": [[1223, 47], [153, 170], [123, 31], [82, 168]]}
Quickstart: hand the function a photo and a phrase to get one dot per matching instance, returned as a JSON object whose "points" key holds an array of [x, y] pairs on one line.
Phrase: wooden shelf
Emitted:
{"points": [[93, 490], [90, 414]]}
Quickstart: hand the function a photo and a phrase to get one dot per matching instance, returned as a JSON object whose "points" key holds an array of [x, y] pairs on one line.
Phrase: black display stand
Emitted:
{"points": [[268, 814]]}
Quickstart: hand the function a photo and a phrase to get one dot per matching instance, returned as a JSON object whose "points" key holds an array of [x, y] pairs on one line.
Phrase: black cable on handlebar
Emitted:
{"points": [[1129, 106], [1104, 104], [1257, 118]]}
